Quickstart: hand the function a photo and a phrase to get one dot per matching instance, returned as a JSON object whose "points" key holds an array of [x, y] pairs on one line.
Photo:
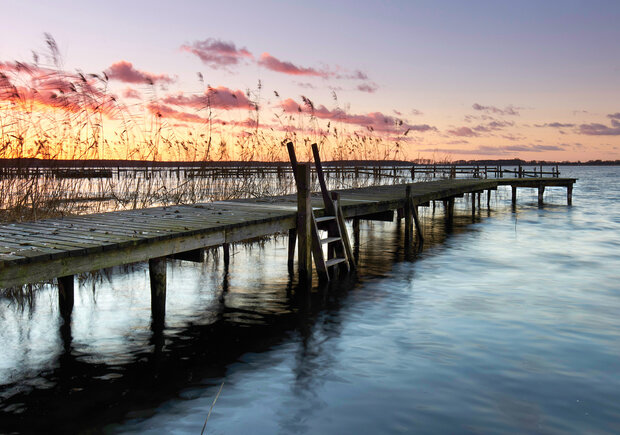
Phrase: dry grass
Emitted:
{"points": [[51, 114]]}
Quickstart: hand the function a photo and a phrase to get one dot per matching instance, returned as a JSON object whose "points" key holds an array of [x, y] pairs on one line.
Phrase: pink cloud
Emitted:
{"points": [[220, 98], [165, 111], [216, 53], [131, 93], [273, 64], [125, 72], [24, 84], [375, 121]]}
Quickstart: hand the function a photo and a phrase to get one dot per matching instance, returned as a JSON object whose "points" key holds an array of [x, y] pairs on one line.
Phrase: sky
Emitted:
{"points": [[443, 79]]}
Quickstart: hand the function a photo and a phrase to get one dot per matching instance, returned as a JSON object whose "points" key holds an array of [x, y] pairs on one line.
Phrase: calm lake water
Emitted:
{"points": [[507, 322]]}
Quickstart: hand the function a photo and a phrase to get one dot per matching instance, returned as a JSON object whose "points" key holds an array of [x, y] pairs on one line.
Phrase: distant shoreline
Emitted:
{"points": [[45, 163]]}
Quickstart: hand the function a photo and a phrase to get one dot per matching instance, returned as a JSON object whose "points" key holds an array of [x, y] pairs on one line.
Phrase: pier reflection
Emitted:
{"points": [[241, 305]]}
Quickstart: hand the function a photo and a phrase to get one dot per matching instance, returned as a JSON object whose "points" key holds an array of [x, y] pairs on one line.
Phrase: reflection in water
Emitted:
{"points": [[488, 327]]}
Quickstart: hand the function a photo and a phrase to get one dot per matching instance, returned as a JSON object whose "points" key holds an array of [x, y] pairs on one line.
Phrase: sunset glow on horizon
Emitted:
{"points": [[405, 80]]}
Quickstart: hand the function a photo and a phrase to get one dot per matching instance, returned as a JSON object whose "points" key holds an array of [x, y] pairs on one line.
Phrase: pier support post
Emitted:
{"points": [[448, 205], [489, 198], [418, 227], [157, 274], [569, 194], [65, 296], [473, 203], [292, 239], [226, 250], [541, 191], [408, 217], [304, 221], [514, 195]]}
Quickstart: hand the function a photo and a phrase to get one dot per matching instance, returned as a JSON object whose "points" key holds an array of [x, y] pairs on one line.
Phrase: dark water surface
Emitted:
{"points": [[505, 323]]}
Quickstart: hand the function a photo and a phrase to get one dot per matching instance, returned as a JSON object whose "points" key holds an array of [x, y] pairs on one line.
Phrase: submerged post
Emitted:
{"points": [[292, 238], [65, 296], [304, 221], [473, 203], [449, 209], [569, 194], [157, 274], [514, 195], [226, 249], [418, 227], [541, 191], [488, 198], [408, 217]]}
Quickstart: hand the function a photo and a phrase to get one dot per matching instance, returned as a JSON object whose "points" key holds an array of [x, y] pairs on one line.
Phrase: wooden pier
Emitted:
{"points": [[61, 248]]}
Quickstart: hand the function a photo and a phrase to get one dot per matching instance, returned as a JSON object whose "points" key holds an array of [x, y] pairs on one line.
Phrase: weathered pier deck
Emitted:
{"points": [[61, 248]]}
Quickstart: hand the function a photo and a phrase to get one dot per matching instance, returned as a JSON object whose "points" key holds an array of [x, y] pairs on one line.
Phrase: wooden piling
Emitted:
{"points": [[514, 195], [449, 209], [569, 194], [418, 227], [304, 222], [408, 217], [473, 203], [292, 239], [488, 198], [226, 249], [157, 275], [541, 191], [65, 295]]}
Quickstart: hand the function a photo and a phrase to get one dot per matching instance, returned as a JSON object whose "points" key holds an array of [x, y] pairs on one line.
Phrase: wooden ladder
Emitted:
{"points": [[339, 253]]}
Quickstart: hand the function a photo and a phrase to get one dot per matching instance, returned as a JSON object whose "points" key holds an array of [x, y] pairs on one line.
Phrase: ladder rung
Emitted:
{"points": [[334, 261], [330, 240], [325, 219]]}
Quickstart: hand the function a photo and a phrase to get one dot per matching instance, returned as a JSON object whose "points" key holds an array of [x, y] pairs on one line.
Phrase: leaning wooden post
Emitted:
{"points": [[541, 191], [65, 296], [569, 194], [304, 222], [408, 217], [157, 274]]}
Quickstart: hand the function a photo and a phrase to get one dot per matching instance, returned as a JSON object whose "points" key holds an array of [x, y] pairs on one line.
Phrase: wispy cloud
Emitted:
{"points": [[125, 72], [508, 110], [216, 53], [220, 97], [487, 150], [555, 125], [368, 87], [493, 126], [375, 121], [596, 129], [284, 67], [463, 132]]}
